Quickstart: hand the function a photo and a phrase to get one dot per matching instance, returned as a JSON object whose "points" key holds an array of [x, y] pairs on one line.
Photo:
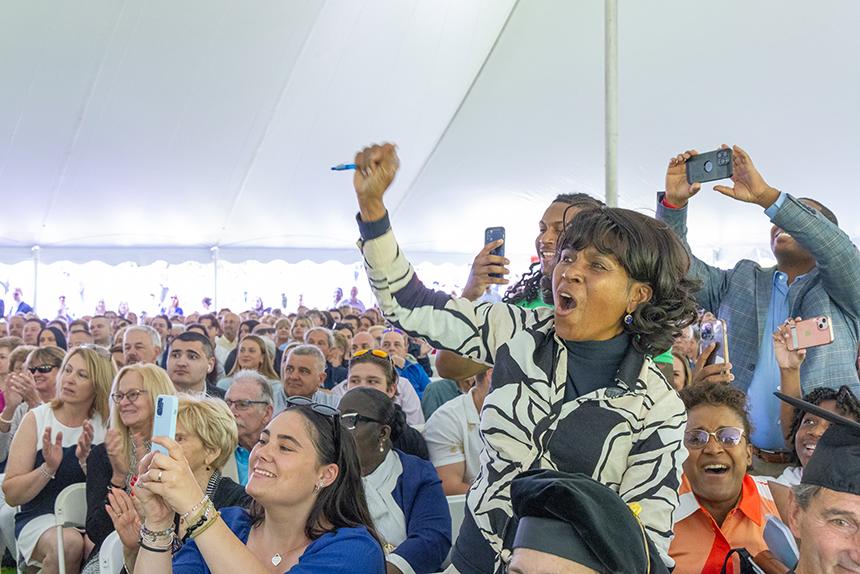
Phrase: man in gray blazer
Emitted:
{"points": [[817, 273]]}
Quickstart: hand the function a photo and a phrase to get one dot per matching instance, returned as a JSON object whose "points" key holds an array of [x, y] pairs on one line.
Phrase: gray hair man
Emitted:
{"points": [[303, 376], [141, 344], [251, 401]]}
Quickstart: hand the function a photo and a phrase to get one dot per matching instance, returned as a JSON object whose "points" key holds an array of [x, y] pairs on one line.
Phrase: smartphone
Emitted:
{"points": [[709, 166], [715, 332], [494, 234], [811, 332], [164, 422]]}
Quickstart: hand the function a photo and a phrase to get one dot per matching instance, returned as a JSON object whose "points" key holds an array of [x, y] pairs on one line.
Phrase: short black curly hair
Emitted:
{"points": [[847, 405], [717, 395], [649, 252]]}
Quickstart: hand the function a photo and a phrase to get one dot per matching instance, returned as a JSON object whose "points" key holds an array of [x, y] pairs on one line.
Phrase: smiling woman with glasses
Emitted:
{"points": [[31, 382], [722, 506], [113, 463], [308, 512]]}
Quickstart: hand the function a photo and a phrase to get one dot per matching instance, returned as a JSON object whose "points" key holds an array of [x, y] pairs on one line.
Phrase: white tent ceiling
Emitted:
{"points": [[156, 130]]}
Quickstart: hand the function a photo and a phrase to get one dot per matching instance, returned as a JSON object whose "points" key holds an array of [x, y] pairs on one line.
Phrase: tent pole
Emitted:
{"points": [[35, 252], [611, 100], [215, 253]]}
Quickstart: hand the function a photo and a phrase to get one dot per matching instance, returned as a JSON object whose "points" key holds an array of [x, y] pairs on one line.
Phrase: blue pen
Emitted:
{"points": [[343, 167]]}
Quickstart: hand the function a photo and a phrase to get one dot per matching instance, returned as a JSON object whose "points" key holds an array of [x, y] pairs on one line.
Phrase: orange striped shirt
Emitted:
{"points": [[700, 546]]}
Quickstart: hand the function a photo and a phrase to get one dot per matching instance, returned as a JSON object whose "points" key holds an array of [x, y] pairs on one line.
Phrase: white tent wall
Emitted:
{"points": [[148, 287], [153, 131]]}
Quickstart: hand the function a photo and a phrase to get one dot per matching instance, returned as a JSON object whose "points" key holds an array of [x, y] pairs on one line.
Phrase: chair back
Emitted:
{"points": [[70, 509], [110, 555]]}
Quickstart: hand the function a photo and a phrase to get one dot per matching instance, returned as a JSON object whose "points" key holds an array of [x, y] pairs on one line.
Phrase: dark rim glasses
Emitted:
{"points": [[350, 420], [132, 395], [44, 369], [727, 437], [328, 412]]}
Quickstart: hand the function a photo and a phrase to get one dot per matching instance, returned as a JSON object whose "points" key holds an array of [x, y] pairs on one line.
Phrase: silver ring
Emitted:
{"points": [[158, 479]]}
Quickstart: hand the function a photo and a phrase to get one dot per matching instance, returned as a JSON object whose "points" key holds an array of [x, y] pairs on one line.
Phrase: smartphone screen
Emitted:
{"points": [[164, 421], [715, 332]]}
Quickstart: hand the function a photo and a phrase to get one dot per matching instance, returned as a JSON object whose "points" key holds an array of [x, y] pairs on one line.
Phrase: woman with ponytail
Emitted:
{"points": [[404, 493]]}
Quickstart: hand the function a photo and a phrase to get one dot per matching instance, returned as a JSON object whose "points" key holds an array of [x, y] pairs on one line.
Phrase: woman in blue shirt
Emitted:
{"points": [[404, 493], [308, 513]]}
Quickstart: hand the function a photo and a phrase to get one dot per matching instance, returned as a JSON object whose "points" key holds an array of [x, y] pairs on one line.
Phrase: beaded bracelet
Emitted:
{"points": [[204, 517], [184, 516], [43, 468], [154, 535], [203, 528]]}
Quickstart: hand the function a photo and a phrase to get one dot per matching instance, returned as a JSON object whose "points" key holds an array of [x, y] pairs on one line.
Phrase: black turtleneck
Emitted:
{"points": [[592, 365]]}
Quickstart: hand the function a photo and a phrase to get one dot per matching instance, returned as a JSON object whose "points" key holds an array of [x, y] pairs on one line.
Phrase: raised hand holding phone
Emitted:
{"points": [[487, 269], [678, 189], [749, 185], [164, 422]]}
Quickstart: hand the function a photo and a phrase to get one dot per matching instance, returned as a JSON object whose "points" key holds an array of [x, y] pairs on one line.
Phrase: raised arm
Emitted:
{"points": [[459, 325], [837, 258], [672, 210]]}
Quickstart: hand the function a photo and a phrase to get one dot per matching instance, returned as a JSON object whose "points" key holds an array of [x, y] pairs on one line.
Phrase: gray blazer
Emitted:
{"points": [[741, 296]]}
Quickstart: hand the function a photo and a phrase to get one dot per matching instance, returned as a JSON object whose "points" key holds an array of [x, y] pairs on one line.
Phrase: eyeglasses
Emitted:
{"points": [[375, 352], [351, 420], [727, 437], [328, 412], [132, 396], [44, 369], [243, 404]]}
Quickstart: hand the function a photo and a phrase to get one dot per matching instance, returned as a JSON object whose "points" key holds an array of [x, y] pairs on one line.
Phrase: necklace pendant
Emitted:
{"points": [[276, 559]]}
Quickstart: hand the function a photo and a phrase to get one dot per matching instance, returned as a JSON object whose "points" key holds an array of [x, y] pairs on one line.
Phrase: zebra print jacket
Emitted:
{"points": [[628, 436]]}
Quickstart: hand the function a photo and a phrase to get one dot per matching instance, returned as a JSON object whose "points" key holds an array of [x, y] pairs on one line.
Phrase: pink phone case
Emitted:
{"points": [[811, 332]]}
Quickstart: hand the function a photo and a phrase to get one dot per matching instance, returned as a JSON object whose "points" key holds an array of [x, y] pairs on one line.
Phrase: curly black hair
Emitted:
{"points": [[717, 395], [847, 405], [529, 287], [649, 252]]}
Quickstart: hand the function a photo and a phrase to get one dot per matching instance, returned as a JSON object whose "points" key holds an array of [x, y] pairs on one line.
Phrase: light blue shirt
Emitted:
{"points": [[763, 406], [242, 455]]}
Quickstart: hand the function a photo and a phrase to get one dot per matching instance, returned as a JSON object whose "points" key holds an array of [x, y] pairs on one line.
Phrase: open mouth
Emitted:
{"points": [[564, 302], [716, 469], [263, 473]]}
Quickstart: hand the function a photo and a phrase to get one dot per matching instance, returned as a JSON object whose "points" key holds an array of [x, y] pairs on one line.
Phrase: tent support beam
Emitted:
{"points": [[611, 101], [216, 252], [36, 256]]}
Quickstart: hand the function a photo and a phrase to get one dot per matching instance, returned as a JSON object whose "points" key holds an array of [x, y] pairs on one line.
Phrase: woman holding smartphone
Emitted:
{"points": [[308, 514], [581, 370]]}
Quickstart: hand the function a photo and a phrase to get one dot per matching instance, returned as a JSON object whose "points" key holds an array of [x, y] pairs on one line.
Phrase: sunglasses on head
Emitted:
{"points": [[375, 352], [727, 437], [44, 369], [328, 412]]}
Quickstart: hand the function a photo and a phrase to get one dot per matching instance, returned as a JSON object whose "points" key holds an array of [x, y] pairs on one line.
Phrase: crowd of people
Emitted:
{"points": [[586, 417]]}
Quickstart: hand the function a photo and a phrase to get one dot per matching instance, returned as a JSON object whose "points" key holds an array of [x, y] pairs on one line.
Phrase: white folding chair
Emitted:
{"points": [[70, 509], [110, 555], [457, 508]]}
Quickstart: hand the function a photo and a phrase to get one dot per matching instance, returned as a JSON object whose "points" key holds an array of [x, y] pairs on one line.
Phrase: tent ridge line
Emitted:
{"points": [[457, 111]]}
